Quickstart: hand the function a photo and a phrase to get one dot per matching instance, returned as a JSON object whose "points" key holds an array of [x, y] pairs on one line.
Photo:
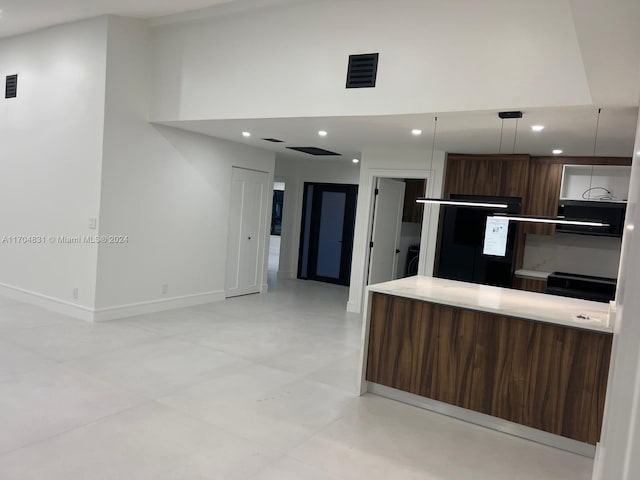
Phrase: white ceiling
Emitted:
{"points": [[607, 33], [18, 16], [569, 129]]}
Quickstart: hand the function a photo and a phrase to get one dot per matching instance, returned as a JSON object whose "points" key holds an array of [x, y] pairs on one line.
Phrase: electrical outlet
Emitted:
{"points": [[165, 288], [93, 223], [75, 293]]}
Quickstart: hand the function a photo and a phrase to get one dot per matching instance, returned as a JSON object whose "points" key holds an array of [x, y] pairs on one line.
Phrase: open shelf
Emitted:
{"points": [[578, 179]]}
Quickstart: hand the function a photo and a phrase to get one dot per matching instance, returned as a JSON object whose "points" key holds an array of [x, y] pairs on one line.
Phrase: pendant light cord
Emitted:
{"points": [[515, 137], [595, 144], [501, 130], [595, 139], [433, 141]]}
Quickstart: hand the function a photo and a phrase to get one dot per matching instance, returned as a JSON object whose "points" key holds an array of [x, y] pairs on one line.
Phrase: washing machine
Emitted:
{"points": [[413, 254]]}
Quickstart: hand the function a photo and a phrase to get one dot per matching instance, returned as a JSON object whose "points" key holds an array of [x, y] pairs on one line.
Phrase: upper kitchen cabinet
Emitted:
{"points": [[595, 182], [496, 175], [554, 178], [545, 178]]}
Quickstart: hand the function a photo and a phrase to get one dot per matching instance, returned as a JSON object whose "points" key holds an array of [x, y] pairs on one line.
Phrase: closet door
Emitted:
{"points": [[245, 251]]}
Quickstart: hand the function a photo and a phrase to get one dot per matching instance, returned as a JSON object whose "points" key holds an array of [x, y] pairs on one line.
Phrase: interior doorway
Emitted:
{"points": [[273, 264], [396, 228], [326, 233]]}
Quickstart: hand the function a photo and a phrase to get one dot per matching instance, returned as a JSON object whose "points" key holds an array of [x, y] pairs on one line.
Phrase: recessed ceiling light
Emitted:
{"points": [[322, 133], [557, 151], [416, 132], [246, 134], [537, 128], [355, 160]]}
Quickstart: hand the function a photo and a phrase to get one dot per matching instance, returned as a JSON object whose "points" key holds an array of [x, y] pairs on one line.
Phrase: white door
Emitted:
{"points": [[245, 251], [387, 220]]}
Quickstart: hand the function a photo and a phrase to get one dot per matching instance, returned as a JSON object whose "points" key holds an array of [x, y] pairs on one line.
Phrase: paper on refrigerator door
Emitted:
{"points": [[495, 236]]}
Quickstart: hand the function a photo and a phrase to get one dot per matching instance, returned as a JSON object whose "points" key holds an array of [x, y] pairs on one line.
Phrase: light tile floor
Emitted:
{"points": [[253, 388]]}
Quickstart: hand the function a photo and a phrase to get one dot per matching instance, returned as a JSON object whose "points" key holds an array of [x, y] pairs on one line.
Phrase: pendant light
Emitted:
{"points": [[562, 220], [454, 202], [554, 220]]}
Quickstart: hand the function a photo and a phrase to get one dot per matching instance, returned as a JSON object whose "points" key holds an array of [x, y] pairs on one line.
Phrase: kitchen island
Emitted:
{"points": [[525, 363]]}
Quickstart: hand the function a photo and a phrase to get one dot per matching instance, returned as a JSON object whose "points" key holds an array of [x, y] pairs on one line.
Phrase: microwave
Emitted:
{"points": [[611, 213]]}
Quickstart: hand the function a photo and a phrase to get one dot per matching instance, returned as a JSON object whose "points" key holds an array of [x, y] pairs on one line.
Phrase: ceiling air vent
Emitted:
{"points": [[362, 70], [314, 151], [273, 140], [505, 115], [11, 86]]}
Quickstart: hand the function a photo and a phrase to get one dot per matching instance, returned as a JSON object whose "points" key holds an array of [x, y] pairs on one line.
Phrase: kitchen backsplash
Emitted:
{"points": [[582, 254]]}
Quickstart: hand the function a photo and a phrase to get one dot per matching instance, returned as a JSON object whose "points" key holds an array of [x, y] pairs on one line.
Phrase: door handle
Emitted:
{"points": [[397, 251]]}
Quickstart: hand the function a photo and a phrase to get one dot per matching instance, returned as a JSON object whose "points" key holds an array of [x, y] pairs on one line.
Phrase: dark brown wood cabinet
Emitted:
{"points": [[537, 180], [497, 175], [543, 192], [530, 284], [544, 183], [413, 211], [545, 376]]}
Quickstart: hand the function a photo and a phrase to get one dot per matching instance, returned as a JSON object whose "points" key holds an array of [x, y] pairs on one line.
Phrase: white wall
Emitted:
{"points": [[565, 252], [166, 189], [393, 164], [295, 172], [51, 150], [617, 456], [291, 60]]}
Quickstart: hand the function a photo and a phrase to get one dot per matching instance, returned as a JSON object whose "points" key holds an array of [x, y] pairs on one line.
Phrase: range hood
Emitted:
{"points": [[610, 213]]}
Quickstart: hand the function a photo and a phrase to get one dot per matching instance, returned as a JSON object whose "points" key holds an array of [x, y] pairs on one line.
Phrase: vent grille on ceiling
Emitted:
{"points": [[362, 70], [11, 86], [273, 140], [314, 151]]}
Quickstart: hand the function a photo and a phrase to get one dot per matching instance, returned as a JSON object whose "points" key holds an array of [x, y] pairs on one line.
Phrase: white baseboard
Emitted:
{"points": [[57, 305], [597, 462], [90, 314], [287, 275], [153, 306], [353, 308]]}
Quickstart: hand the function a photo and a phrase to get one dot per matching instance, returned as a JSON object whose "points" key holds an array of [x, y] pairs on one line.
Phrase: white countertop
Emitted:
{"points": [[502, 301], [535, 274]]}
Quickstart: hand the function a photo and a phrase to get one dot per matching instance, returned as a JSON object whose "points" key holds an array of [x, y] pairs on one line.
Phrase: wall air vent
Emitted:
{"points": [[11, 86], [362, 70], [314, 151], [273, 140]]}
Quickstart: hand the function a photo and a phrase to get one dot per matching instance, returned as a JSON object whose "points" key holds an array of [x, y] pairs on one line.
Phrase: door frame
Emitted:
{"points": [[374, 212], [429, 224], [351, 191]]}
